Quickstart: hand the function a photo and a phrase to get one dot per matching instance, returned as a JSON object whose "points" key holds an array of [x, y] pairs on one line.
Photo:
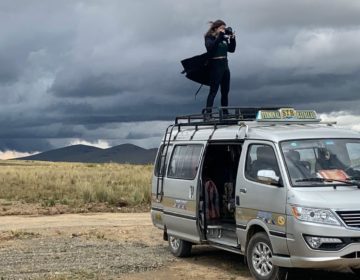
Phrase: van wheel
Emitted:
{"points": [[178, 247], [356, 272], [259, 259]]}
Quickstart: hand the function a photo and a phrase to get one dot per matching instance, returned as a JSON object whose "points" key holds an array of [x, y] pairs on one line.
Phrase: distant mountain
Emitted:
{"points": [[126, 153]]}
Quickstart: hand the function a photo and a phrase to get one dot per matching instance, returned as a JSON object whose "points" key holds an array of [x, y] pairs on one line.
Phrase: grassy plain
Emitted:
{"points": [[75, 186]]}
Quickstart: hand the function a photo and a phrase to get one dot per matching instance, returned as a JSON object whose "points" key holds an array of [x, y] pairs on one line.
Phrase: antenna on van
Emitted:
{"points": [[241, 126]]}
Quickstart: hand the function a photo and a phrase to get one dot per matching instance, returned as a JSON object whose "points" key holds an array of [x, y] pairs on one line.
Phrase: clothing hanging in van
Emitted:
{"points": [[212, 208]]}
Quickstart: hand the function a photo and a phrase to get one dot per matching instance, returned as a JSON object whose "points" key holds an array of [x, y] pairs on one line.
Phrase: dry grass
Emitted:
{"points": [[75, 184]]}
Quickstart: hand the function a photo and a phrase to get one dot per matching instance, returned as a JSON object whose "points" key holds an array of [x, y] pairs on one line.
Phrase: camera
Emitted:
{"points": [[228, 31]]}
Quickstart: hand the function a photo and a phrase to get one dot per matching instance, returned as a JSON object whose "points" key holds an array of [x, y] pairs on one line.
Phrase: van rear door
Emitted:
{"points": [[161, 164], [180, 192]]}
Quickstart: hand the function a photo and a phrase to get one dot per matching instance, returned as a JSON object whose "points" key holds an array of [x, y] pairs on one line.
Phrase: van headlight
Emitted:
{"points": [[315, 215]]}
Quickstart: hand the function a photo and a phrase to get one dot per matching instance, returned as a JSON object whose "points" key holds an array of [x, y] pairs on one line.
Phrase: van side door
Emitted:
{"points": [[180, 192], [260, 193]]}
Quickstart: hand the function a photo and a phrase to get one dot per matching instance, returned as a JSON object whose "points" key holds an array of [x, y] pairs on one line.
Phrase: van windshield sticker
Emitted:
{"points": [[329, 142]]}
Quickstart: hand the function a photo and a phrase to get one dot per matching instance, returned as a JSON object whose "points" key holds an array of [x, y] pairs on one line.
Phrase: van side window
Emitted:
{"points": [[161, 165], [185, 161], [261, 158]]}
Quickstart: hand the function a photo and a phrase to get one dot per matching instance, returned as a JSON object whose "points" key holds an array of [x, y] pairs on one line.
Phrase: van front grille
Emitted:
{"points": [[350, 218]]}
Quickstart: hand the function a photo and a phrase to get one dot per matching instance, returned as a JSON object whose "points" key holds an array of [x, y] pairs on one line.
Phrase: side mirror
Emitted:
{"points": [[268, 177]]}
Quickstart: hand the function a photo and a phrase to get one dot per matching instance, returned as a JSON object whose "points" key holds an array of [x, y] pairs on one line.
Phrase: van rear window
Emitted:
{"points": [[185, 161], [161, 165]]}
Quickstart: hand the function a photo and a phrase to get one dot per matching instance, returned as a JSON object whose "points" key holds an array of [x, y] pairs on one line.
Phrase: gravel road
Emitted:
{"points": [[110, 246]]}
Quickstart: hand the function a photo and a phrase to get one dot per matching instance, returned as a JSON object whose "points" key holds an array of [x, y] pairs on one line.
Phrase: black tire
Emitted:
{"points": [[356, 272], [178, 247], [259, 258]]}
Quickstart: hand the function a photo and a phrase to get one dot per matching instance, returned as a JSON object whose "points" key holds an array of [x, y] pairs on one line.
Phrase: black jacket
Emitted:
{"points": [[197, 68], [211, 43]]}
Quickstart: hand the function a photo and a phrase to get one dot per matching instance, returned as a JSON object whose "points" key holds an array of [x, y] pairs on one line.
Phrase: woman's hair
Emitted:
{"points": [[214, 25]]}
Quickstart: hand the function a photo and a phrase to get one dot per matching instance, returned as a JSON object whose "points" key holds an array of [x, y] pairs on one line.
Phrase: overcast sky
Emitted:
{"points": [[108, 72]]}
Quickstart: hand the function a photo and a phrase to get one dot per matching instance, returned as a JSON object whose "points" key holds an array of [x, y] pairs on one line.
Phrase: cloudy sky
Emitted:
{"points": [[108, 72]]}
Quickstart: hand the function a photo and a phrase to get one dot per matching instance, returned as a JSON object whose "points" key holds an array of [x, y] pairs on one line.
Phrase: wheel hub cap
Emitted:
{"points": [[262, 259], [174, 243]]}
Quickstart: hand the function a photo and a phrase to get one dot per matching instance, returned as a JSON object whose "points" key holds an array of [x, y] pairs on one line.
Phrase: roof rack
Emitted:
{"points": [[222, 116]]}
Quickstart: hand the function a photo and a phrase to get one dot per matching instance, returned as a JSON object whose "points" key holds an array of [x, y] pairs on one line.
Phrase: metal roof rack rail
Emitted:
{"points": [[221, 116]]}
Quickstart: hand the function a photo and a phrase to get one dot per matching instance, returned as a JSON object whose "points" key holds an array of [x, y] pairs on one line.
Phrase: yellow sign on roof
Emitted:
{"points": [[286, 114]]}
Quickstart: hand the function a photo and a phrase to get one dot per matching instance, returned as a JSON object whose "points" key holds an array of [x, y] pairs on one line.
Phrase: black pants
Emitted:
{"points": [[219, 76]]}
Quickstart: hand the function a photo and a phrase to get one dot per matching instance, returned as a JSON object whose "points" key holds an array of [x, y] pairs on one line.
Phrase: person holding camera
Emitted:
{"points": [[219, 40]]}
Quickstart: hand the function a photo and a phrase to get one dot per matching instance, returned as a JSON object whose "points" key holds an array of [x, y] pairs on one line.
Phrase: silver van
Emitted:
{"points": [[276, 185]]}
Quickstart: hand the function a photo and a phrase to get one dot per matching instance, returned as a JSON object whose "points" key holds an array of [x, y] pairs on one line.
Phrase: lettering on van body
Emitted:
{"points": [[245, 215], [158, 217], [180, 204], [266, 217]]}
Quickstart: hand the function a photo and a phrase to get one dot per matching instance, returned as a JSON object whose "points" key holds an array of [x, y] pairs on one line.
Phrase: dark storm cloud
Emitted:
{"points": [[283, 78], [8, 74], [139, 135], [90, 86], [307, 13], [24, 145], [78, 69]]}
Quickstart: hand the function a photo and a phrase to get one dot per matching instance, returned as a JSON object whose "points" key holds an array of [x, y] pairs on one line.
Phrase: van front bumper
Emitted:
{"points": [[316, 262], [303, 256]]}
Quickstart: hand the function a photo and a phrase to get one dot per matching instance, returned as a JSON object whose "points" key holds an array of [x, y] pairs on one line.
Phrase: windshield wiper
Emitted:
{"points": [[315, 179], [349, 182]]}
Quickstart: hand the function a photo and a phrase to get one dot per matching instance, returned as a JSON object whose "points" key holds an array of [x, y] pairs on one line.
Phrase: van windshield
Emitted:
{"points": [[322, 161]]}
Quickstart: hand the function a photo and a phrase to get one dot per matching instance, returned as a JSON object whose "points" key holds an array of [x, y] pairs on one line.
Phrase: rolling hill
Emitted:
{"points": [[126, 153]]}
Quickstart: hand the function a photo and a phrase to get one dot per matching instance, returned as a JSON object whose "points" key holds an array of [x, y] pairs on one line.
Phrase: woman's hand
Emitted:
{"points": [[220, 29]]}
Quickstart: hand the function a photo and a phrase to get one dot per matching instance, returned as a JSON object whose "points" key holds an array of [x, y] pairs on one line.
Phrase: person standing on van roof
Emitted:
{"points": [[219, 40]]}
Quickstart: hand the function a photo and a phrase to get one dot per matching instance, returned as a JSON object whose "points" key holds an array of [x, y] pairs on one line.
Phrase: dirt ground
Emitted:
{"points": [[110, 246]]}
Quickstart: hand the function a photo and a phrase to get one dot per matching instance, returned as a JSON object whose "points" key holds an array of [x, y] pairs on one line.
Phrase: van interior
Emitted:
{"points": [[218, 192]]}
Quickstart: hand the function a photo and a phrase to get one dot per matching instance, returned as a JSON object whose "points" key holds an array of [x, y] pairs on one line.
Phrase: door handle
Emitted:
{"points": [[191, 192], [244, 190]]}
